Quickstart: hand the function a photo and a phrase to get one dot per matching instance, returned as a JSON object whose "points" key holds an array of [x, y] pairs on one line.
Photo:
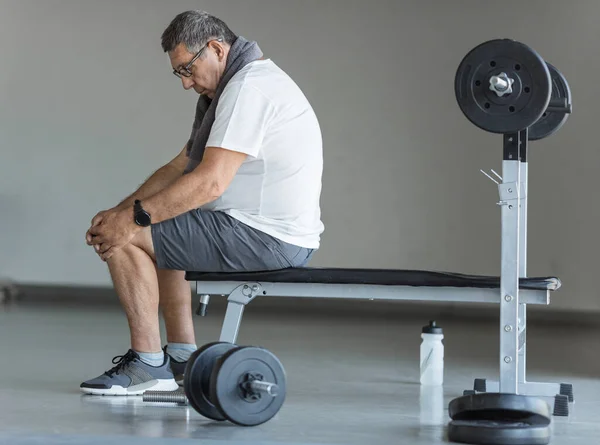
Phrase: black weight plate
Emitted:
{"points": [[482, 432], [501, 407], [512, 112], [230, 371], [551, 121], [196, 383]]}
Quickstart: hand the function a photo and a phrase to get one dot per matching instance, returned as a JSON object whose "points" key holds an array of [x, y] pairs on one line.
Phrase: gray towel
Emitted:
{"points": [[242, 52]]}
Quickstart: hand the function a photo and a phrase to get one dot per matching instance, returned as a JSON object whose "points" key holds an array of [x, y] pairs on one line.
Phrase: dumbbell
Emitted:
{"points": [[243, 384]]}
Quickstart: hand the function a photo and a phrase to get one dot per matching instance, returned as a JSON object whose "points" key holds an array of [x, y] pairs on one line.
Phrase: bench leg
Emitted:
{"points": [[561, 392], [237, 301], [524, 387], [232, 322], [529, 388], [513, 314]]}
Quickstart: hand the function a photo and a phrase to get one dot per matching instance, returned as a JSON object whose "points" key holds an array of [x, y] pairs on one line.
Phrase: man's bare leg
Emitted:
{"points": [[176, 306], [133, 272]]}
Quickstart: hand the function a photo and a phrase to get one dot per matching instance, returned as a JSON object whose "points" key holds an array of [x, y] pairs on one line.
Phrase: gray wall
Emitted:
{"points": [[90, 108]]}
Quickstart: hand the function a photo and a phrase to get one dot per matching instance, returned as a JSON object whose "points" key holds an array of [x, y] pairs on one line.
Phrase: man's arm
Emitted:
{"points": [[241, 121], [204, 184], [155, 183], [160, 179]]}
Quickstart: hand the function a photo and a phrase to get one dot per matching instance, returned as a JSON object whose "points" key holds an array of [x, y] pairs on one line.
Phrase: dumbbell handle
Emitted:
{"points": [[177, 396], [263, 387]]}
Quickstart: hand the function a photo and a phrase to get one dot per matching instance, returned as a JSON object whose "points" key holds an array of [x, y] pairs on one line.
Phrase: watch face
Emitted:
{"points": [[142, 219]]}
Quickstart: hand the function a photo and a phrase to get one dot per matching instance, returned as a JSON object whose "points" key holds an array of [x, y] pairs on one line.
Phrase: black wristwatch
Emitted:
{"points": [[140, 216]]}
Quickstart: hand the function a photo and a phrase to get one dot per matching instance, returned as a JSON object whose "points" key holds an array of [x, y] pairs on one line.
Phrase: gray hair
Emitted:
{"points": [[194, 29]]}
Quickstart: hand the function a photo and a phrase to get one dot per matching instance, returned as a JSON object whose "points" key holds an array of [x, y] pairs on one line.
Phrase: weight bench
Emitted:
{"points": [[360, 284], [512, 291], [372, 284]]}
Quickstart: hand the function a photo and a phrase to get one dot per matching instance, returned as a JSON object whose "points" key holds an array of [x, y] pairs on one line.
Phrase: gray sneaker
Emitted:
{"points": [[177, 368], [131, 377]]}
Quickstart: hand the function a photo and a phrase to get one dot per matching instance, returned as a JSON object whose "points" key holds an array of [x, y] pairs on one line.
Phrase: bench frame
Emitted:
{"points": [[242, 293], [512, 299]]}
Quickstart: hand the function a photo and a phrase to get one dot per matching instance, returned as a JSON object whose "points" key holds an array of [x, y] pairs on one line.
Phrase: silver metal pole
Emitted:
{"points": [[523, 273], [510, 193], [264, 387]]}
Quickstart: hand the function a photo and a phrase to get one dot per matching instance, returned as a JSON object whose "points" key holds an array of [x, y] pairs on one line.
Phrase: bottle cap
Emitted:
{"points": [[432, 328]]}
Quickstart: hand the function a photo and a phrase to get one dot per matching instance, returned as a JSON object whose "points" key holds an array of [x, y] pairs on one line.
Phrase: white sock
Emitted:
{"points": [[155, 359], [181, 351]]}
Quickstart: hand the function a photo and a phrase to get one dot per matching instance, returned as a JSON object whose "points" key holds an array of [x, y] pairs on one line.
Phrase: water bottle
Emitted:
{"points": [[432, 355], [432, 410]]}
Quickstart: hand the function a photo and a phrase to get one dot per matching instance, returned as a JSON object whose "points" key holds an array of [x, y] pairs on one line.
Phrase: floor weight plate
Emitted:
{"points": [[499, 406], [196, 382], [498, 419], [231, 370], [530, 86], [482, 432], [552, 121]]}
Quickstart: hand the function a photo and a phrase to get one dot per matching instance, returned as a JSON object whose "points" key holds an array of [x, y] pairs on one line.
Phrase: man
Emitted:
{"points": [[242, 195]]}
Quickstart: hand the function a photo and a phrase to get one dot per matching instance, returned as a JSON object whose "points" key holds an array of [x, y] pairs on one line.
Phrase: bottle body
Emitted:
{"points": [[432, 359]]}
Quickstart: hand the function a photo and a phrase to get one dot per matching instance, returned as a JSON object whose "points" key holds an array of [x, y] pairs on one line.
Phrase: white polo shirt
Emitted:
{"points": [[264, 114]]}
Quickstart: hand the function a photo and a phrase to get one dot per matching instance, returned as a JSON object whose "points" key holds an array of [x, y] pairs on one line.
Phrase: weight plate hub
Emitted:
{"points": [[503, 86], [232, 371], [197, 376], [495, 419], [551, 121]]}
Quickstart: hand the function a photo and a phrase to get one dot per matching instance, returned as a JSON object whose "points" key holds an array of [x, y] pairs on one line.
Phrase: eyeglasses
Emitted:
{"points": [[186, 70]]}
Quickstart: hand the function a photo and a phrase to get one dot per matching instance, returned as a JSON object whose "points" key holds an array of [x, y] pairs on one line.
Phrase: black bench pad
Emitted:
{"points": [[384, 277]]}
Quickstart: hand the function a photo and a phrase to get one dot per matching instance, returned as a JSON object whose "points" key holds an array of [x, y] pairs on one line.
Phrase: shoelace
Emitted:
{"points": [[121, 361]]}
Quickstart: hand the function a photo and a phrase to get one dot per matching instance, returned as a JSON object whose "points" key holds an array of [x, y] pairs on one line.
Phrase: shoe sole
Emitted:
{"points": [[135, 390]]}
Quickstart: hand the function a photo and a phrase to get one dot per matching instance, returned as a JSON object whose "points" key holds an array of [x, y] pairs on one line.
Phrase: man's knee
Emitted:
{"points": [[143, 240], [129, 251]]}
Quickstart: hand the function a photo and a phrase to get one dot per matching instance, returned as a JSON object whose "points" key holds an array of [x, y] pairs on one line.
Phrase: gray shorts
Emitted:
{"points": [[207, 241]]}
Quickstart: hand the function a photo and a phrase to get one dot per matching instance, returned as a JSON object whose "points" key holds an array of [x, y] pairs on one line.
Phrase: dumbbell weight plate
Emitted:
{"points": [[225, 386], [551, 121], [196, 383], [531, 87]]}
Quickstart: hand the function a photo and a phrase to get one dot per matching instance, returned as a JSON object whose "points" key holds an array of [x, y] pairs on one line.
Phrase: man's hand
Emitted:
{"points": [[95, 221], [115, 230]]}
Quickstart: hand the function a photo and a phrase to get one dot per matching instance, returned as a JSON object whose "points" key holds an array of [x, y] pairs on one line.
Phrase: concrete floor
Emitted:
{"points": [[352, 379]]}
